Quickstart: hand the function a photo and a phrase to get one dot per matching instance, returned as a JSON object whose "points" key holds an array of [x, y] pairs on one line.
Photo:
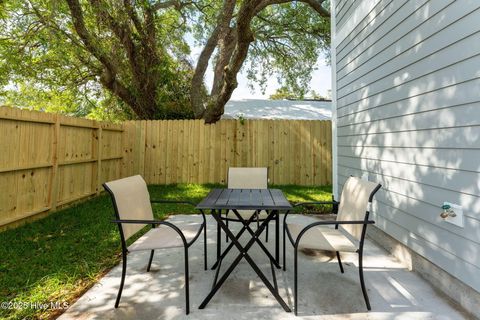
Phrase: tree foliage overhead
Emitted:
{"points": [[99, 48], [133, 57]]}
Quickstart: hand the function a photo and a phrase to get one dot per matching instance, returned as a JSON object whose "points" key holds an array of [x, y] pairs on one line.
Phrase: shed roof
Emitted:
{"points": [[278, 109]]}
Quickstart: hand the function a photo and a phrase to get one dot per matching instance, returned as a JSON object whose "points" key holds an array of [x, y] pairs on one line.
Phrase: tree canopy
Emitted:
{"points": [[131, 58], [284, 93]]}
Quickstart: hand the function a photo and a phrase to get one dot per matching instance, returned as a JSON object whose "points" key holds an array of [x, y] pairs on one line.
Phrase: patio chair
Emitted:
{"points": [[247, 178], [346, 233], [133, 211]]}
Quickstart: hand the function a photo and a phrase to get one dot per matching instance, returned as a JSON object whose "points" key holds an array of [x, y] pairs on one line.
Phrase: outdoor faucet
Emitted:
{"points": [[447, 212]]}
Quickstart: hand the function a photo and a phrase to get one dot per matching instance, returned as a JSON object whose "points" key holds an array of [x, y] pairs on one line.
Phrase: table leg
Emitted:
{"points": [[230, 246], [243, 254], [219, 236], [256, 238], [277, 238]]}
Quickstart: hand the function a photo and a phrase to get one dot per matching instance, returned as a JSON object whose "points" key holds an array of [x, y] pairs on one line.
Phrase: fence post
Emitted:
{"points": [[99, 159], [139, 156], [55, 155]]}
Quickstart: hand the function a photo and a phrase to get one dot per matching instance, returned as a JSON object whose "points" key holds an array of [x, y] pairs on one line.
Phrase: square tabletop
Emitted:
{"points": [[247, 199]]}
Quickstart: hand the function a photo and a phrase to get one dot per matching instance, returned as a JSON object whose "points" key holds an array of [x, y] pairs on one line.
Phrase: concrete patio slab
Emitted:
{"points": [[324, 293]]}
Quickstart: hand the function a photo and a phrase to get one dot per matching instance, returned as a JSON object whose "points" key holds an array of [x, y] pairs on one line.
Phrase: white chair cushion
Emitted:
{"points": [[163, 237], [133, 202], [354, 203], [248, 178], [324, 238]]}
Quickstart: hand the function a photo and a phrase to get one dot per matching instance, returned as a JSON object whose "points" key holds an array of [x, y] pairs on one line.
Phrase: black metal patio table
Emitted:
{"points": [[270, 200]]}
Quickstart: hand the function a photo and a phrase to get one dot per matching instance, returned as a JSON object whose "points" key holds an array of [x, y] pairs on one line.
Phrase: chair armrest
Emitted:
{"points": [[323, 223], [139, 221], [315, 202], [173, 201], [154, 223], [180, 202], [334, 203], [329, 222]]}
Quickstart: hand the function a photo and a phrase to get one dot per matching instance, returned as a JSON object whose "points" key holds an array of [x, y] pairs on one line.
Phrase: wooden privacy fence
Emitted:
{"points": [[187, 151], [47, 160]]}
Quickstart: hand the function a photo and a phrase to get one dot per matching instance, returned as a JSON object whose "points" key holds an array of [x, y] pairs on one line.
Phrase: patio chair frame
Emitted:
{"points": [[296, 242], [155, 223]]}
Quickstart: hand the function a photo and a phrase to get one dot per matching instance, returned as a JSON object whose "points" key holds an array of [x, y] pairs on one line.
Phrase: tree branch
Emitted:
{"points": [[87, 39], [178, 5], [317, 6], [133, 16], [223, 22], [225, 52], [108, 78]]}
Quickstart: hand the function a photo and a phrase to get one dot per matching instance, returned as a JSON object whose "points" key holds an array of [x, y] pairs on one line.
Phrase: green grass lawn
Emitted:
{"points": [[57, 258]]}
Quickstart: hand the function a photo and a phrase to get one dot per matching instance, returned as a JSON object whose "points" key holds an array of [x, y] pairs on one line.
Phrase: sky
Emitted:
{"points": [[321, 79], [321, 83]]}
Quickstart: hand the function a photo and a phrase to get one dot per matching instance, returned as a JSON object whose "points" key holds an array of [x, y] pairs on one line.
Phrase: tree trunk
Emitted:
{"points": [[223, 21], [244, 37], [226, 47]]}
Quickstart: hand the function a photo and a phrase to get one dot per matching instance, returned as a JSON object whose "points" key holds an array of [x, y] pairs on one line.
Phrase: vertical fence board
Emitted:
{"points": [[203, 151], [163, 151], [148, 174], [185, 138], [177, 177], [229, 148], [141, 148], [221, 151], [175, 137], [328, 151], [209, 147], [158, 174], [100, 146]]}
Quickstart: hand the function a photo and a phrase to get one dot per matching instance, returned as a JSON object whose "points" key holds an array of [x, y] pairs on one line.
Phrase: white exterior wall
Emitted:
{"points": [[408, 115]]}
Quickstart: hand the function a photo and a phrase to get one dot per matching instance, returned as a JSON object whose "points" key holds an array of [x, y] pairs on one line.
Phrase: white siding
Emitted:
{"points": [[408, 114]]}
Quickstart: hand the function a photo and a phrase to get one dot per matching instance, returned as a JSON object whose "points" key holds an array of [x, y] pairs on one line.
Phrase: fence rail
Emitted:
{"points": [[48, 160]]}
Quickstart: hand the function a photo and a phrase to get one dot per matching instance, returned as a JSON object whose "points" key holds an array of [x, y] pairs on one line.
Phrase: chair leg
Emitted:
{"points": [[122, 281], [205, 262], [266, 232], [284, 249], [150, 260], [362, 281], [258, 221], [187, 291], [277, 237], [295, 280], [219, 239], [339, 262], [226, 236]]}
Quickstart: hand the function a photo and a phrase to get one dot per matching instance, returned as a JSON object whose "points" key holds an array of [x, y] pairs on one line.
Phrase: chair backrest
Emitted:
{"points": [[247, 178], [356, 196], [131, 202]]}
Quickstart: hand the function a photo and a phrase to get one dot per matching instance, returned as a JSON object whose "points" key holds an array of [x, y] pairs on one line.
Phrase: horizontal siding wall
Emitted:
{"points": [[408, 115]]}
